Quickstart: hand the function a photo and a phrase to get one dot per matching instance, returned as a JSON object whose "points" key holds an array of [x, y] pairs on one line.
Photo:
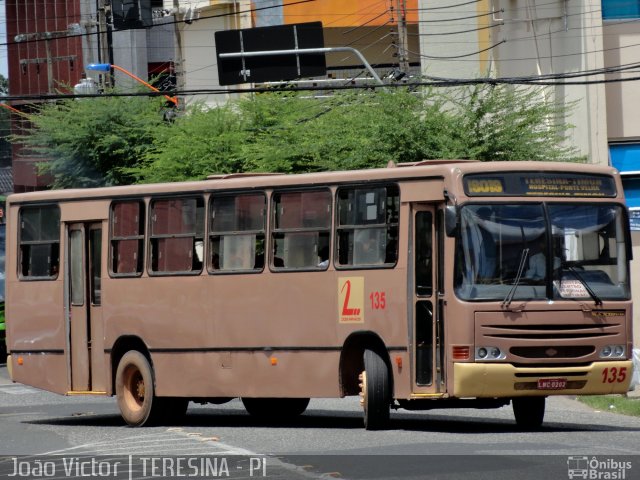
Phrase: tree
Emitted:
{"points": [[4, 85], [195, 145], [91, 143], [111, 141], [292, 132], [501, 122]]}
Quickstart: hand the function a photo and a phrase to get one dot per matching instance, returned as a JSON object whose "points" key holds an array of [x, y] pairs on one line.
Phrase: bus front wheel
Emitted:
{"points": [[529, 411], [135, 391], [375, 391]]}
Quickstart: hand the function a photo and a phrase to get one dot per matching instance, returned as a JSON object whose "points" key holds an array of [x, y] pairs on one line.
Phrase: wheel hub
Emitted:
{"points": [[363, 389]]}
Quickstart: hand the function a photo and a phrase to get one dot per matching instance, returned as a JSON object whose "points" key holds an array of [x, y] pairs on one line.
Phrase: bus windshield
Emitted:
{"points": [[536, 251]]}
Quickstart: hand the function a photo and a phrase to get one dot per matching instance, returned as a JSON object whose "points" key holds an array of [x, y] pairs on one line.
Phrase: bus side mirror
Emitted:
{"points": [[451, 220]]}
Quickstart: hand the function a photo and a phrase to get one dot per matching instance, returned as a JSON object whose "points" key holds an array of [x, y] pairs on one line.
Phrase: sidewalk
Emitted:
{"points": [[4, 376]]}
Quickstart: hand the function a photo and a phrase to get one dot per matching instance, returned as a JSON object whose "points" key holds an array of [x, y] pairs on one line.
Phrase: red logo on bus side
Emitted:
{"points": [[351, 300]]}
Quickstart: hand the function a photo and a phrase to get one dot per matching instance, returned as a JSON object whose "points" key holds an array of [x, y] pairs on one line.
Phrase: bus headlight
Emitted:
{"points": [[612, 351], [490, 353]]}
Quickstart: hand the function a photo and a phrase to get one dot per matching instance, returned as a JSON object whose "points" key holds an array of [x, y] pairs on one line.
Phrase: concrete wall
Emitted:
{"points": [[530, 37], [196, 49], [622, 47]]}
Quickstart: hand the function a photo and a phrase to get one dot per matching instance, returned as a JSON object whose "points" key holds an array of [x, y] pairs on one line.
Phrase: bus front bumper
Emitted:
{"points": [[491, 380]]}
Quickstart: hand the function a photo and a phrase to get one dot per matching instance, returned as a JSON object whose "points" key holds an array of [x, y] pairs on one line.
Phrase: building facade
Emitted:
{"points": [[51, 42]]}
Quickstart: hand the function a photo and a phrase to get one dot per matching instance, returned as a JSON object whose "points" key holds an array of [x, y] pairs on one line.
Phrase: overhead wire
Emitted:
{"points": [[440, 81], [221, 15]]}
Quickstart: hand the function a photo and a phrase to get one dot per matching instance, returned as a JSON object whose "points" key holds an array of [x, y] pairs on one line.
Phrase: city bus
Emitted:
{"points": [[3, 348], [439, 284]]}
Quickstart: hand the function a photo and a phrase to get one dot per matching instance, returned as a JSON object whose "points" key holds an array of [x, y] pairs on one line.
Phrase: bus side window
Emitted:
{"points": [[236, 239], [177, 229], [367, 227], [127, 237], [301, 232], [39, 242]]}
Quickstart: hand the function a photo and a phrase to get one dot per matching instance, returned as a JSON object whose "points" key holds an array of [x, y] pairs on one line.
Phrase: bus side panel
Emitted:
{"points": [[211, 335], [247, 374], [44, 371], [36, 333]]}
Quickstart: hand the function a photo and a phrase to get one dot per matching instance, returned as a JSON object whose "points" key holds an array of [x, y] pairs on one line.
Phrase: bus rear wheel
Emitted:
{"points": [[275, 407], [529, 411], [135, 391], [375, 391]]}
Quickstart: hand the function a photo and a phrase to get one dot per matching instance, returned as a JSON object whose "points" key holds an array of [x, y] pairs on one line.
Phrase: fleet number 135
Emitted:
{"points": [[614, 375], [378, 300]]}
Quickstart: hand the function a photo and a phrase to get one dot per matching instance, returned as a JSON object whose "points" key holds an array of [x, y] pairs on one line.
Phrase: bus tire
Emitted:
{"points": [[376, 391], [135, 390], [529, 411], [275, 407]]}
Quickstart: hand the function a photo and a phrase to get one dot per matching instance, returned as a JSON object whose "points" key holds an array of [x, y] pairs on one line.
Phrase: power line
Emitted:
{"points": [[462, 18], [451, 57], [221, 15], [442, 7], [458, 32], [546, 80]]}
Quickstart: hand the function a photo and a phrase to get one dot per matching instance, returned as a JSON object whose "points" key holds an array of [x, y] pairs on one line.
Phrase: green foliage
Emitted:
{"points": [[507, 123], [91, 143], [108, 141], [614, 404], [4, 85], [204, 142]]}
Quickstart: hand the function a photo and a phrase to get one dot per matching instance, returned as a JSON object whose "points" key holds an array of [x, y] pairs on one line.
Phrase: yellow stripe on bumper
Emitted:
{"points": [[489, 380]]}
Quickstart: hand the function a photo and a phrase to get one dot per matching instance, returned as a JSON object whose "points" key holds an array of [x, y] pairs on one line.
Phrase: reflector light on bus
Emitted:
{"points": [[461, 352], [20, 360], [274, 361], [399, 362]]}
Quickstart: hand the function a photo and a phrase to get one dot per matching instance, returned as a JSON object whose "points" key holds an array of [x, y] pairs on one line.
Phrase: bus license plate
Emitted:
{"points": [[552, 383]]}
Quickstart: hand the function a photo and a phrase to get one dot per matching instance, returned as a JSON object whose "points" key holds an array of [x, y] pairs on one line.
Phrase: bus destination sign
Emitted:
{"points": [[546, 184]]}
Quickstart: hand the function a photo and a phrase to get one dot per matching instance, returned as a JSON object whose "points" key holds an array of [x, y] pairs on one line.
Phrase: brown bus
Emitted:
{"points": [[438, 284]]}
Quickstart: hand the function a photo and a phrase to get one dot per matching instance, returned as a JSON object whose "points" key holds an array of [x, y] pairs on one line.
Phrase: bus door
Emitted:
{"points": [[82, 283], [427, 328]]}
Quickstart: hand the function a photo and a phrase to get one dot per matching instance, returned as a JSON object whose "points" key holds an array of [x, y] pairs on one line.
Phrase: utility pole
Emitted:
{"points": [[178, 63], [104, 36], [403, 41]]}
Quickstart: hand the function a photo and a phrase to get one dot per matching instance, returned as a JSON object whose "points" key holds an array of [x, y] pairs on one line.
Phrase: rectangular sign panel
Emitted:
{"points": [[544, 184], [233, 71], [634, 220]]}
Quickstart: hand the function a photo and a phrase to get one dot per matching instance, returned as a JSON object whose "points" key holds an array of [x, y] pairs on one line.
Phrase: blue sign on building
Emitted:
{"points": [[626, 158]]}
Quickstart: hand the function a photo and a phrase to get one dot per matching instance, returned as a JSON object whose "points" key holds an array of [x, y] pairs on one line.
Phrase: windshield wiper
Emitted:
{"points": [[589, 290], [509, 298]]}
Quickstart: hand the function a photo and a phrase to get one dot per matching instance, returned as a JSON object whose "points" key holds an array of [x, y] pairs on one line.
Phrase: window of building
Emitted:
{"points": [[620, 9], [39, 242], [368, 226], [127, 238], [177, 235], [301, 230], [237, 238]]}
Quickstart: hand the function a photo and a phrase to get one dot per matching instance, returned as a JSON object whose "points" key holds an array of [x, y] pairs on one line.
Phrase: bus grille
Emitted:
{"points": [[553, 352], [550, 331]]}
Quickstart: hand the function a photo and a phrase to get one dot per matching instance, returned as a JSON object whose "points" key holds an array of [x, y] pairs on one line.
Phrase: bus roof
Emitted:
{"points": [[430, 169]]}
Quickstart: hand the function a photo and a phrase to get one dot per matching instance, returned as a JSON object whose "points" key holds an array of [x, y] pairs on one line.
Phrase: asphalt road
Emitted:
{"points": [[327, 441]]}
